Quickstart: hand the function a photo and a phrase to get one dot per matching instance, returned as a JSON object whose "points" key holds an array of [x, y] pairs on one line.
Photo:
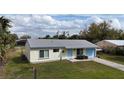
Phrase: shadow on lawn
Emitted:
{"points": [[19, 60]]}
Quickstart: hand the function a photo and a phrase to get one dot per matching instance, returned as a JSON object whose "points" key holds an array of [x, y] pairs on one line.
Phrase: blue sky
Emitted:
{"points": [[38, 25]]}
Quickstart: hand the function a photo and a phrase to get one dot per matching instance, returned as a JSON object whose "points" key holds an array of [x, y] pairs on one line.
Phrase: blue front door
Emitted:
{"points": [[90, 52], [69, 53]]}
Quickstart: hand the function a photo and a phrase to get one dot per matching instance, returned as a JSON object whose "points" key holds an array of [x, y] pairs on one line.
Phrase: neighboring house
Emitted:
{"points": [[42, 50], [21, 42], [110, 43]]}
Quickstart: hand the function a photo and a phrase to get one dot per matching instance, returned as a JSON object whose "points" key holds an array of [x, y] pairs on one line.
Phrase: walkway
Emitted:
{"points": [[110, 63], [79, 60]]}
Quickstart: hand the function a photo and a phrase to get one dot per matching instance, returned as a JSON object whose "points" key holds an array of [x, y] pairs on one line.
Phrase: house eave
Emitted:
{"points": [[59, 47], [45, 47]]}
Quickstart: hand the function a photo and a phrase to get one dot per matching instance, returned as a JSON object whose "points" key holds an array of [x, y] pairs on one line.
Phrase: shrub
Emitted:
{"points": [[82, 57], [23, 57], [114, 51]]}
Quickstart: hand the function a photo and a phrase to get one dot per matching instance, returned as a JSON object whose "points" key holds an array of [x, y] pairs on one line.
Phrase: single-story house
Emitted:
{"points": [[110, 44], [42, 50]]}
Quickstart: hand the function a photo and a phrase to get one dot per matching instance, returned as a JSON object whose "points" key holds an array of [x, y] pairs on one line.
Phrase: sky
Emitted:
{"points": [[39, 25]]}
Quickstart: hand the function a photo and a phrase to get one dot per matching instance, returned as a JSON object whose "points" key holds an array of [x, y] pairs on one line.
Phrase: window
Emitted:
{"points": [[44, 53], [55, 50]]}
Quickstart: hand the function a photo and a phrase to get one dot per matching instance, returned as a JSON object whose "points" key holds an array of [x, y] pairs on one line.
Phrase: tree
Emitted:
{"points": [[47, 37], [74, 36], [83, 34], [114, 34], [6, 38], [55, 37], [94, 33], [121, 35], [15, 36], [25, 37], [62, 36], [98, 32]]}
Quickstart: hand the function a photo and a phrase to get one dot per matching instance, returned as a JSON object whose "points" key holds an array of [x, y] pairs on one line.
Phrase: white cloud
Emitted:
{"points": [[48, 20], [115, 23], [94, 19], [45, 24], [21, 33], [44, 19]]}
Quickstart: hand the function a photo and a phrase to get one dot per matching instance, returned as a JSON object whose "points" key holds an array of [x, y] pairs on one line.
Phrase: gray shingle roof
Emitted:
{"points": [[55, 43]]}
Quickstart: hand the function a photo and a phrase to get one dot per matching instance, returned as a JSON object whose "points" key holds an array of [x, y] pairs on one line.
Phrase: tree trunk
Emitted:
{"points": [[1, 61]]}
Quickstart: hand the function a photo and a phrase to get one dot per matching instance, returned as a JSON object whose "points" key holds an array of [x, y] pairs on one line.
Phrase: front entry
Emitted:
{"points": [[80, 52], [69, 53]]}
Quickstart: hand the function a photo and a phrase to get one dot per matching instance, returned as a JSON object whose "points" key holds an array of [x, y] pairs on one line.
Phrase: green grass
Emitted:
{"points": [[16, 68], [114, 58]]}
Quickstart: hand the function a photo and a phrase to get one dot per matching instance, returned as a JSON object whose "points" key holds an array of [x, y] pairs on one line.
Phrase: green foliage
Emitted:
{"points": [[102, 31], [7, 40], [47, 37], [15, 36], [94, 33], [122, 35], [74, 36], [55, 37], [62, 37], [114, 51]]}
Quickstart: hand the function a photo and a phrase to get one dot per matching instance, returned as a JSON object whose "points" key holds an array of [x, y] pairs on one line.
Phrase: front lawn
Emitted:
{"points": [[16, 68], [114, 58]]}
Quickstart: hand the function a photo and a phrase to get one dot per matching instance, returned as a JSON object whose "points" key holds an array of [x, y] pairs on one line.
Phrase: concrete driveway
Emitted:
{"points": [[109, 63]]}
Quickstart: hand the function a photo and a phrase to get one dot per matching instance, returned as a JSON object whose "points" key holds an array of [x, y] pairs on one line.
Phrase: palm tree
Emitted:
{"points": [[5, 37]]}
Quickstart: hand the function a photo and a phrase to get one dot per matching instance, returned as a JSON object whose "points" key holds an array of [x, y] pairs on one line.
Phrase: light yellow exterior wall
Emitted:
{"points": [[34, 55], [65, 55], [74, 53], [84, 52], [27, 51]]}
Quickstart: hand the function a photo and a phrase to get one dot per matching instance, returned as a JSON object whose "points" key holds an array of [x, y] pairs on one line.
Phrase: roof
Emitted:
{"points": [[57, 43], [116, 42]]}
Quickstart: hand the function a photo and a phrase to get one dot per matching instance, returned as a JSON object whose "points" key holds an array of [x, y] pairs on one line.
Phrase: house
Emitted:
{"points": [[110, 44], [42, 50]]}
